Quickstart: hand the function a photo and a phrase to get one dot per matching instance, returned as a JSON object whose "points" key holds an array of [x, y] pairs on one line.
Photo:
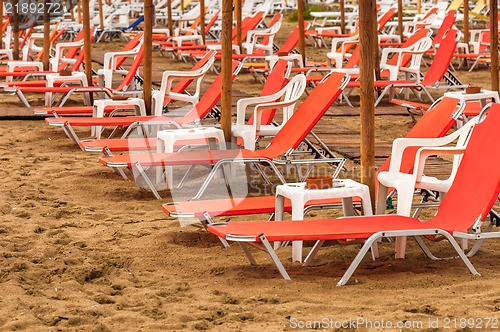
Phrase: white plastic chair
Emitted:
{"points": [[405, 183], [284, 99], [169, 77], [254, 36], [417, 50]]}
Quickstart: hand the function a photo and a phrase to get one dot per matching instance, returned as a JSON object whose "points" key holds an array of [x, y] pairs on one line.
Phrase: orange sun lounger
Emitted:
{"points": [[435, 123], [466, 205], [285, 141]]}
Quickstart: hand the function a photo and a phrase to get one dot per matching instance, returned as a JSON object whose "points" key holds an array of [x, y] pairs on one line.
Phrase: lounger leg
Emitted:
{"points": [[313, 252], [247, 252], [359, 257], [207, 220], [424, 248], [147, 180], [479, 242], [70, 132], [274, 257], [459, 251]]}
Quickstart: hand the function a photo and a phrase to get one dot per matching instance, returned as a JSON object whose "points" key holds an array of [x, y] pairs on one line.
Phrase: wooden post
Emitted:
{"points": [[1, 13], [367, 94], [419, 6], [375, 50], [466, 22], [226, 100], [71, 10], [169, 18], [101, 15], [342, 16], [46, 35], [237, 13], [202, 20], [79, 11], [15, 29], [148, 55], [87, 47], [400, 19], [302, 35], [494, 45]]}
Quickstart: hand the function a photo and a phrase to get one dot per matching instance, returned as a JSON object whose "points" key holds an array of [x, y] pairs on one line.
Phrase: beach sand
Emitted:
{"points": [[83, 250]]}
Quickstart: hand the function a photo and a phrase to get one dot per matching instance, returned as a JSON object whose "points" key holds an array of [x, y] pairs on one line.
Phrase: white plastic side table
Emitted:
{"points": [[166, 140], [299, 195], [75, 77], [482, 96]]}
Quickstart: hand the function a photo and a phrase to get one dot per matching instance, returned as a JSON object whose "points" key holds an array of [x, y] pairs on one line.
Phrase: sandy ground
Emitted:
{"points": [[83, 250]]}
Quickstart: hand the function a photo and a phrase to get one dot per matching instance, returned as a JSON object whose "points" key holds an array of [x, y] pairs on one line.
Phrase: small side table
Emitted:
{"points": [[167, 138], [299, 195], [75, 77], [482, 96]]}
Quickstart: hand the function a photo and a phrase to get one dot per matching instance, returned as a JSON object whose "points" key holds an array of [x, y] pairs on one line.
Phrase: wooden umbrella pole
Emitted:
{"points": [[367, 94], [375, 49], [15, 29], [466, 22], [1, 11], [400, 19], [302, 35], [79, 10], [169, 18], [226, 100], [148, 55], [494, 45], [419, 6], [71, 12], [342, 16], [46, 35], [87, 48], [202, 20], [237, 13], [101, 15]]}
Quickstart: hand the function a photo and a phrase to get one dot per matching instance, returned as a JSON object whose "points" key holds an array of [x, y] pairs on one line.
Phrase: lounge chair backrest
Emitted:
{"points": [[353, 60], [447, 24], [71, 53], [476, 185], [384, 19], [132, 71], [79, 60], [275, 81], [292, 40], [434, 123], [307, 114], [442, 59], [210, 97], [417, 35], [133, 43], [184, 83], [251, 25], [212, 22], [168, 79]]}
